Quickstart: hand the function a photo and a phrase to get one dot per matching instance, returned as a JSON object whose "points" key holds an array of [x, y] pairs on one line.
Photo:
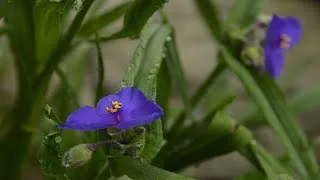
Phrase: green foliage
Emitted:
{"points": [[242, 14], [142, 73], [139, 170], [215, 135], [49, 152], [53, 36], [279, 116], [95, 24], [136, 17]]}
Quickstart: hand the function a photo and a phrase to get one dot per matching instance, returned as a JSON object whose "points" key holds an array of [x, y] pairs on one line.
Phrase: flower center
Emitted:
{"points": [[285, 41], [115, 106]]}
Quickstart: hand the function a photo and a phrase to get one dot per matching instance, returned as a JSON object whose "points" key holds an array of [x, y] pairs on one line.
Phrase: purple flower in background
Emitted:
{"points": [[282, 34], [127, 108]]}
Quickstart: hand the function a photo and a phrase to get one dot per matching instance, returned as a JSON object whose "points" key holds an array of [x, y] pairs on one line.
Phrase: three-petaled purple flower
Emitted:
{"points": [[125, 109], [282, 34]]}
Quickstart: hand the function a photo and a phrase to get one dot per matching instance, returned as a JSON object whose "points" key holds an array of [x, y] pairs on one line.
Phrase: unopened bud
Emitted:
{"points": [[252, 53], [77, 156], [264, 19]]}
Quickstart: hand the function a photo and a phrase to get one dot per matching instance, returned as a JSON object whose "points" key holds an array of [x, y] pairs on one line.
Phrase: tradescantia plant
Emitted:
{"points": [[134, 134]]}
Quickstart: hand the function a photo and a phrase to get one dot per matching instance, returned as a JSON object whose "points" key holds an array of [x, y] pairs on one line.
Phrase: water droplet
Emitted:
{"points": [[123, 84], [157, 65], [58, 139], [77, 5], [153, 71], [168, 38]]}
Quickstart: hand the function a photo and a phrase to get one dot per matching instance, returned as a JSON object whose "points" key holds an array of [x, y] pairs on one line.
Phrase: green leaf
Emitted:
{"points": [[271, 103], [125, 177], [95, 24], [263, 160], [49, 151], [300, 102], [209, 12], [252, 175], [222, 135], [242, 14], [175, 69], [139, 170], [49, 21], [133, 68], [136, 17], [289, 122], [143, 74], [163, 91], [3, 7]]}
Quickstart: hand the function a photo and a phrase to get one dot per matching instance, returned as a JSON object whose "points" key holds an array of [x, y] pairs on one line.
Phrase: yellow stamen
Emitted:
{"points": [[285, 41], [115, 106]]}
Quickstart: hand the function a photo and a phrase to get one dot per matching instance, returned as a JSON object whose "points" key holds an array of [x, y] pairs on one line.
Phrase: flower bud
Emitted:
{"points": [[77, 156], [252, 54]]}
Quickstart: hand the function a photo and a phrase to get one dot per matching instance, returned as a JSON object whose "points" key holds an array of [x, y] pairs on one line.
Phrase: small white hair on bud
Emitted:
{"points": [[76, 156]]}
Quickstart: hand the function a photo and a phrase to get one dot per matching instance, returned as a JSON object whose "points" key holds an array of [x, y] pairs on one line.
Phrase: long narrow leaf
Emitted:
{"points": [[267, 110], [209, 12], [139, 170], [175, 69], [95, 24], [136, 17], [262, 160], [143, 74]]}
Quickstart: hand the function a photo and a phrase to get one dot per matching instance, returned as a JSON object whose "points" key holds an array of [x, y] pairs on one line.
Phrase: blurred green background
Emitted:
{"points": [[197, 51]]}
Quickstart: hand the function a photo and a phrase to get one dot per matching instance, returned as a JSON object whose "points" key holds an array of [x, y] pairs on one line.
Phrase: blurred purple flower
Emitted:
{"points": [[282, 34], [127, 108]]}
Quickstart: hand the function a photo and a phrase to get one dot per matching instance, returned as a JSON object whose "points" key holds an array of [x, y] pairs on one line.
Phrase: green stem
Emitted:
{"points": [[196, 98], [99, 91]]}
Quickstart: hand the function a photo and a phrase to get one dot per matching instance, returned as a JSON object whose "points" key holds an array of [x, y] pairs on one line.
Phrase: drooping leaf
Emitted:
{"points": [[271, 103], [139, 170]]}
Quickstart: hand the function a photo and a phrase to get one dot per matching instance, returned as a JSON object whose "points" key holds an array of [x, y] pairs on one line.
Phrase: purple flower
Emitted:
{"points": [[282, 34], [127, 108]]}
